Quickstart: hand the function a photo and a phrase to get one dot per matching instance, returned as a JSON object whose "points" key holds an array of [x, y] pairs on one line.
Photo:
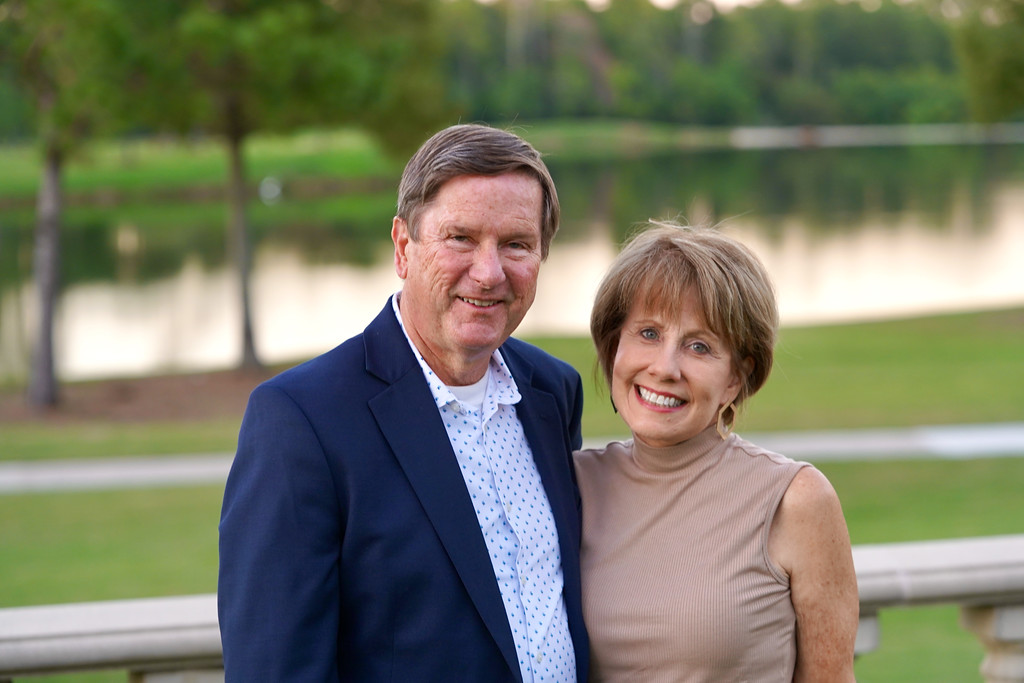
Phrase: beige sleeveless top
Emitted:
{"points": [[677, 582]]}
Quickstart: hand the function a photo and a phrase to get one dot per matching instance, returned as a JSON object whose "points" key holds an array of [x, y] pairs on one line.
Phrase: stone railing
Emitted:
{"points": [[158, 640], [985, 576], [176, 640]]}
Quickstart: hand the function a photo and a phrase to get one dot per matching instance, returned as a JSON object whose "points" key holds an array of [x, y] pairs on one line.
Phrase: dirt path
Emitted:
{"points": [[170, 397]]}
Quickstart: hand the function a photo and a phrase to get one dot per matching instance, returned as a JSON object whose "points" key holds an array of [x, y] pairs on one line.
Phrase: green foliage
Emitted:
{"points": [[64, 60], [988, 40], [867, 96], [800, 101], [15, 110], [268, 65], [715, 95], [403, 67], [766, 64]]}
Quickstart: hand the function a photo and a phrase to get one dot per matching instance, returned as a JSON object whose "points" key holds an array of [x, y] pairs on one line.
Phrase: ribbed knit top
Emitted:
{"points": [[677, 582]]}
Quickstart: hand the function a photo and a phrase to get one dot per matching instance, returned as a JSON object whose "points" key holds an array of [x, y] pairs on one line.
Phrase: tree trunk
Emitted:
{"points": [[238, 229], [42, 388]]}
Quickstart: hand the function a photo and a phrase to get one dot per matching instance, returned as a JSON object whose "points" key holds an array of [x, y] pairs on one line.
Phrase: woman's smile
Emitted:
{"points": [[658, 400]]}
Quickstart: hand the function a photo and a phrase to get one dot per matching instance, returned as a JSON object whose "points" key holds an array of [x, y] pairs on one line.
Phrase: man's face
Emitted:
{"points": [[471, 275]]}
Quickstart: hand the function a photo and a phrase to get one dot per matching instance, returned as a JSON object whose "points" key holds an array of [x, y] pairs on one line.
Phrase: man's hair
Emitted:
{"points": [[664, 263], [473, 149]]}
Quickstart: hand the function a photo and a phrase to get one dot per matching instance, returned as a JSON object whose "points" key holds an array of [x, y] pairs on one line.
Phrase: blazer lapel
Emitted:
{"points": [[409, 419], [538, 412], [539, 415]]}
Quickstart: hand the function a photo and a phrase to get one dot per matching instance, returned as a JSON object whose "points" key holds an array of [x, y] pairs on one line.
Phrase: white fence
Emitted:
{"points": [[176, 640]]}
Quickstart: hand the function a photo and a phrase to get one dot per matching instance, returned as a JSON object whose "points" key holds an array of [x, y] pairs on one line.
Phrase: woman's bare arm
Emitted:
{"points": [[809, 540]]}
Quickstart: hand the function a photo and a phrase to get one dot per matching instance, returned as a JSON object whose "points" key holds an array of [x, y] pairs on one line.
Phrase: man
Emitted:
{"points": [[403, 507]]}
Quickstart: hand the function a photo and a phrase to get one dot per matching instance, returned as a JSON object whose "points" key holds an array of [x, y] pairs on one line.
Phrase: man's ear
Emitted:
{"points": [[400, 236]]}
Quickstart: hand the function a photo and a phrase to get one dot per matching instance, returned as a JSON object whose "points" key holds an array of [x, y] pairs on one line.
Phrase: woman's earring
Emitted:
{"points": [[724, 429]]}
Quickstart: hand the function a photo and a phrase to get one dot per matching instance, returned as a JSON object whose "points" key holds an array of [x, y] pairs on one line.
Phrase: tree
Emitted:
{"points": [[53, 48], [234, 67], [988, 35]]}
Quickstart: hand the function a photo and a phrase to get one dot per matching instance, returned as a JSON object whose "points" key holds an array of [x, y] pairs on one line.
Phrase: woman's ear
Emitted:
{"points": [[744, 369]]}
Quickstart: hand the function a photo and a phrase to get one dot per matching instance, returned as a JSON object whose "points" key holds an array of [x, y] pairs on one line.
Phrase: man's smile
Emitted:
{"points": [[479, 302]]}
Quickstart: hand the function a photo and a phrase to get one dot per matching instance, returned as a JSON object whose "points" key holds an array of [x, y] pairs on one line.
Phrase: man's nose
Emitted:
{"points": [[487, 268]]}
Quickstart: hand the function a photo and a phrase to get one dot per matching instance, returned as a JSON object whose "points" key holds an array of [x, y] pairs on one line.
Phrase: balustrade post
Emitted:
{"points": [[1001, 631], [868, 634]]}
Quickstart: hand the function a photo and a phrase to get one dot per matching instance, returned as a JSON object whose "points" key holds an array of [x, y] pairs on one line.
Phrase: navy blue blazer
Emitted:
{"points": [[349, 548]]}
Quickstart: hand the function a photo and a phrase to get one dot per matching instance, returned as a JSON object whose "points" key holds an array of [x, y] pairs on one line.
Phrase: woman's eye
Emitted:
{"points": [[648, 333], [700, 347]]}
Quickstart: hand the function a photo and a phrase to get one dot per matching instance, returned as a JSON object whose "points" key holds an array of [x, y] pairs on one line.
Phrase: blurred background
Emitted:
{"points": [[195, 194], [197, 185]]}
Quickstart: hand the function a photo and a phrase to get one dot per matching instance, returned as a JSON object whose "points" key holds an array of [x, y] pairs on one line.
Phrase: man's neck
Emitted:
{"points": [[465, 371], [454, 371]]}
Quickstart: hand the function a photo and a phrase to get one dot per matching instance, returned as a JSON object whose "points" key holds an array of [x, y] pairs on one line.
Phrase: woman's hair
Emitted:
{"points": [[661, 265], [473, 149]]}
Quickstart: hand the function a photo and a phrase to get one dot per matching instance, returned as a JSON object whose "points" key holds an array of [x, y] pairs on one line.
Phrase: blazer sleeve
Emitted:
{"points": [[278, 599]]}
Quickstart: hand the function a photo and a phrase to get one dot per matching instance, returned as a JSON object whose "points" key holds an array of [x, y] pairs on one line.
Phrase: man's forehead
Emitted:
{"points": [[472, 198]]}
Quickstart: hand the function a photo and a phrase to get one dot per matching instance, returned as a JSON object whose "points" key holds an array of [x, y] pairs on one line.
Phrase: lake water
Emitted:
{"points": [[847, 234]]}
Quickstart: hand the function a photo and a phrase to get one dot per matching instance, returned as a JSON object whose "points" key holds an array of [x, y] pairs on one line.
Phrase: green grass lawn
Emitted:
{"points": [[78, 546], [139, 166]]}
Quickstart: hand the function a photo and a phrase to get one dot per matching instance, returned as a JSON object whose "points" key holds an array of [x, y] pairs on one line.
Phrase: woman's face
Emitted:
{"points": [[671, 376]]}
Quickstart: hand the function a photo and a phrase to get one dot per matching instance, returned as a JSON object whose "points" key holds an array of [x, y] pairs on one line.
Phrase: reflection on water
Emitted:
{"points": [[884, 271], [890, 257]]}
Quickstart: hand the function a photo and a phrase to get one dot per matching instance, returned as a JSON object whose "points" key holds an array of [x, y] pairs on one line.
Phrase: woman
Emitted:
{"points": [[705, 557]]}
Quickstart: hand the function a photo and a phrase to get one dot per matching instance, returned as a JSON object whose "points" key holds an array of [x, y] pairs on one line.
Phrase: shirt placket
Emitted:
{"points": [[509, 477], [482, 424]]}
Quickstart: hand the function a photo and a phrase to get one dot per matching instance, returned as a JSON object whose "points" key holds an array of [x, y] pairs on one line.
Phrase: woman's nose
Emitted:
{"points": [[666, 363]]}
